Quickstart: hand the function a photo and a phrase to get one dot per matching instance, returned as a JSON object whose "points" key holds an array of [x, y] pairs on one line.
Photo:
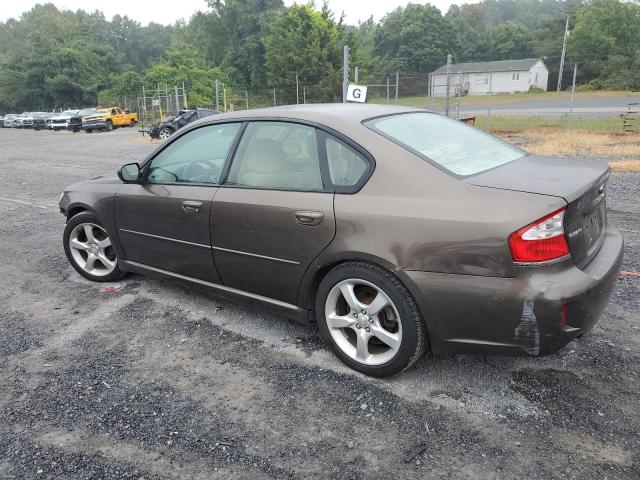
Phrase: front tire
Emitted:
{"points": [[164, 133], [109, 125], [369, 319], [89, 249]]}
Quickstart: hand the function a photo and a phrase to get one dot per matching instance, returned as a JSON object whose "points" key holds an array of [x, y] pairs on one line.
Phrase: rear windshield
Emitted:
{"points": [[450, 144]]}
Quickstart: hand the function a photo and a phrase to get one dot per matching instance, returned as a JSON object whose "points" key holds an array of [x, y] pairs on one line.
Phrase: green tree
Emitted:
{"points": [[244, 23], [509, 40], [300, 40], [606, 43], [414, 39]]}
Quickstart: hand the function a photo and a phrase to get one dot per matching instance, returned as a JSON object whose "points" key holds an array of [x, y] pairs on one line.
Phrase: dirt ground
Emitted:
{"points": [[150, 379]]}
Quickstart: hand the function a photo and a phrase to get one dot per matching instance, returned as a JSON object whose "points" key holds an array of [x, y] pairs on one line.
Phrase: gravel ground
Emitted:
{"points": [[150, 379]]}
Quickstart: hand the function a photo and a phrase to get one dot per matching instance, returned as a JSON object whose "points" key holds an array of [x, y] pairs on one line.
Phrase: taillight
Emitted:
{"points": [[541, 240]]}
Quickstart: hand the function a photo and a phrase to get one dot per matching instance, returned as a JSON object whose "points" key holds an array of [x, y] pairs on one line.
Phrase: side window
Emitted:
{"points": [[196, 157], [278, 155], [346, 166]]}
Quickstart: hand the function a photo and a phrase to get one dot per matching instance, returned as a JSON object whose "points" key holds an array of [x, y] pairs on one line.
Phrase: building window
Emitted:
{"points": [[482, 79], [515, 76]]}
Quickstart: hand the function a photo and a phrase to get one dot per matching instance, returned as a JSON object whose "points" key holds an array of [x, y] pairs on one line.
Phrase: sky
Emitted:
{"points": [[166, 12]]}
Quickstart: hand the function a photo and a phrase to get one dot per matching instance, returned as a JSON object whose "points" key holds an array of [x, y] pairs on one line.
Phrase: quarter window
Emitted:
{"points": [[278, 155], [196, 157], [346, 166]]}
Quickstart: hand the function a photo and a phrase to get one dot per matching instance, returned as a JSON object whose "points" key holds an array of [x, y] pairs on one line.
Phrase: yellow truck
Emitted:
{"points": [[108, 119]]}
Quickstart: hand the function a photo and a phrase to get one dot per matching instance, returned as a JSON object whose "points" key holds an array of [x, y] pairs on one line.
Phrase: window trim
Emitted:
{"points": [[366, 122], [321, 132], [348, 189], [146, 164], [225, 172]]}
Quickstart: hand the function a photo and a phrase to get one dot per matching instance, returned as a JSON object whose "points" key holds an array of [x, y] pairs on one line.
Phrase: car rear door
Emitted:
{"points": [[274, 214], [163, 221]]}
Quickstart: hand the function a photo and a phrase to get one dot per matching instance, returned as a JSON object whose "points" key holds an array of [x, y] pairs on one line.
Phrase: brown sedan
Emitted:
{"points": [[396, 229]]}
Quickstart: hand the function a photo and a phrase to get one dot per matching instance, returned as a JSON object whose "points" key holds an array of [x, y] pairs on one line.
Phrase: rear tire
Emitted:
{"points": [[378, 330], [109, 125], [89, 130], [89, 249], [132, 124]]}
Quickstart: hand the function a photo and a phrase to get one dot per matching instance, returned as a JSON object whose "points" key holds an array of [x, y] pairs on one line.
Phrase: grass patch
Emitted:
{"points": [[580, 143], [505, 98], [626, 165], [514, 124]]}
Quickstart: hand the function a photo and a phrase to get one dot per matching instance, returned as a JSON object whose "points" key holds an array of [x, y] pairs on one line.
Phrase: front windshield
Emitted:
{"points": [[86, 111], [450, 144]]}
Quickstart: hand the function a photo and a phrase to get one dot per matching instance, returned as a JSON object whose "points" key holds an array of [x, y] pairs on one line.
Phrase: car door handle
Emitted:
{"points": [[306, 217], [191, 206]]}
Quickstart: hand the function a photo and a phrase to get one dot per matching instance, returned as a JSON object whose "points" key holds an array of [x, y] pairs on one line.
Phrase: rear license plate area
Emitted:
{"points": [[594, 223]]}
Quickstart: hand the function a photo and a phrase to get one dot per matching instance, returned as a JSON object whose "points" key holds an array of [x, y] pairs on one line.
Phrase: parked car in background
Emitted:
{"points": [[108, 119], [2, 121], [75, 122], [40, 120], [9, 120], [165, 129], [398, 230], [60, 121], [25, 120]]}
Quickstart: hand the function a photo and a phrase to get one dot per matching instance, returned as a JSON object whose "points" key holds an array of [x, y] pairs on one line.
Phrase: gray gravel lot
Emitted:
{"points": [[154, 380]]}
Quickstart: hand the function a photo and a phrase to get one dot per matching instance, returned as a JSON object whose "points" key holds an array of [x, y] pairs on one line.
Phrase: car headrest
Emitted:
{"points": [[267, 156]]}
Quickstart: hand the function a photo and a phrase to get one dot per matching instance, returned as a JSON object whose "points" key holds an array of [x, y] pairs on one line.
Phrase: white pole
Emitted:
{"points": [[564, 49], [345, 73], [573, 93]]}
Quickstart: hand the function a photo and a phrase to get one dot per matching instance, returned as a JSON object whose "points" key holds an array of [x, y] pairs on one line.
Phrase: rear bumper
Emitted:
{"points": [[521, 315], [94, 125]]}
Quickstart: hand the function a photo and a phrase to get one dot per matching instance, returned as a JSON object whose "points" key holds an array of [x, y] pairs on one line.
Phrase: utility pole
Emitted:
{"points": [[573, 93], [184, 97], [345, 73], [564, 49], [446, 101], [297, 90], [177, 99], [217, 95], [397, 84], [246, 98], [355, 75]]}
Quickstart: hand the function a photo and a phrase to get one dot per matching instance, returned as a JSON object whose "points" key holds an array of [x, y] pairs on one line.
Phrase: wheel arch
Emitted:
{"points": [[315, 274], [76, 208]]}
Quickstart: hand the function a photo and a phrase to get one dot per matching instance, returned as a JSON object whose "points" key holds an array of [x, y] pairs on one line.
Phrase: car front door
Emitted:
{"points": [[163, 221], [274, 214]]}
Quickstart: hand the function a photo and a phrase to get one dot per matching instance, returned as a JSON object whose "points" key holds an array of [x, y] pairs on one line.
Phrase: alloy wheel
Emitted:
{"points": [[164, 133], [91, 249], [363, 322]]}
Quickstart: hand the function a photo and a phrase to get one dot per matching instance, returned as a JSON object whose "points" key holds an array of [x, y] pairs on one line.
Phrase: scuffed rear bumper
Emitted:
{"points": [[521, 315]]}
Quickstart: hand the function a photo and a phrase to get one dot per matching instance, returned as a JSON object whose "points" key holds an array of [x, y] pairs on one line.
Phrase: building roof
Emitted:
{"points": [[486, 67]]}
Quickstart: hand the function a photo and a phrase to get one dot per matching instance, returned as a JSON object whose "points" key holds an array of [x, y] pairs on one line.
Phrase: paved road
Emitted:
{"points": [[151, 379], [588, 107]]}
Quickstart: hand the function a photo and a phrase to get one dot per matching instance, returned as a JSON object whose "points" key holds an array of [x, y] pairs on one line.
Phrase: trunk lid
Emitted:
{"points": [[581, 183]]}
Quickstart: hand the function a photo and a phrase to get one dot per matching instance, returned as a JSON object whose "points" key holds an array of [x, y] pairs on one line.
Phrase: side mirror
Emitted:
{"points": [[129, 172]]}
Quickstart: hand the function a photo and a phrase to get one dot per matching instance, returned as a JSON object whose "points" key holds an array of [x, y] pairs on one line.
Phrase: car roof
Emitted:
{"points": [[334, 115]]}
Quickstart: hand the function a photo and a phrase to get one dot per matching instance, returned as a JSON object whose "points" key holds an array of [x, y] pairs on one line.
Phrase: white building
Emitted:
{"points": [[477, 78]]}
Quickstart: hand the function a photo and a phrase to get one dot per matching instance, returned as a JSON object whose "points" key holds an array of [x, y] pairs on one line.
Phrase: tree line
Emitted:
{"points": [[51, 58]]}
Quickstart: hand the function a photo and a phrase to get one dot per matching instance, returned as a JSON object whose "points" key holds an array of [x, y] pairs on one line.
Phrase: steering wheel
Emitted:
{"points": [[201, 171]]}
